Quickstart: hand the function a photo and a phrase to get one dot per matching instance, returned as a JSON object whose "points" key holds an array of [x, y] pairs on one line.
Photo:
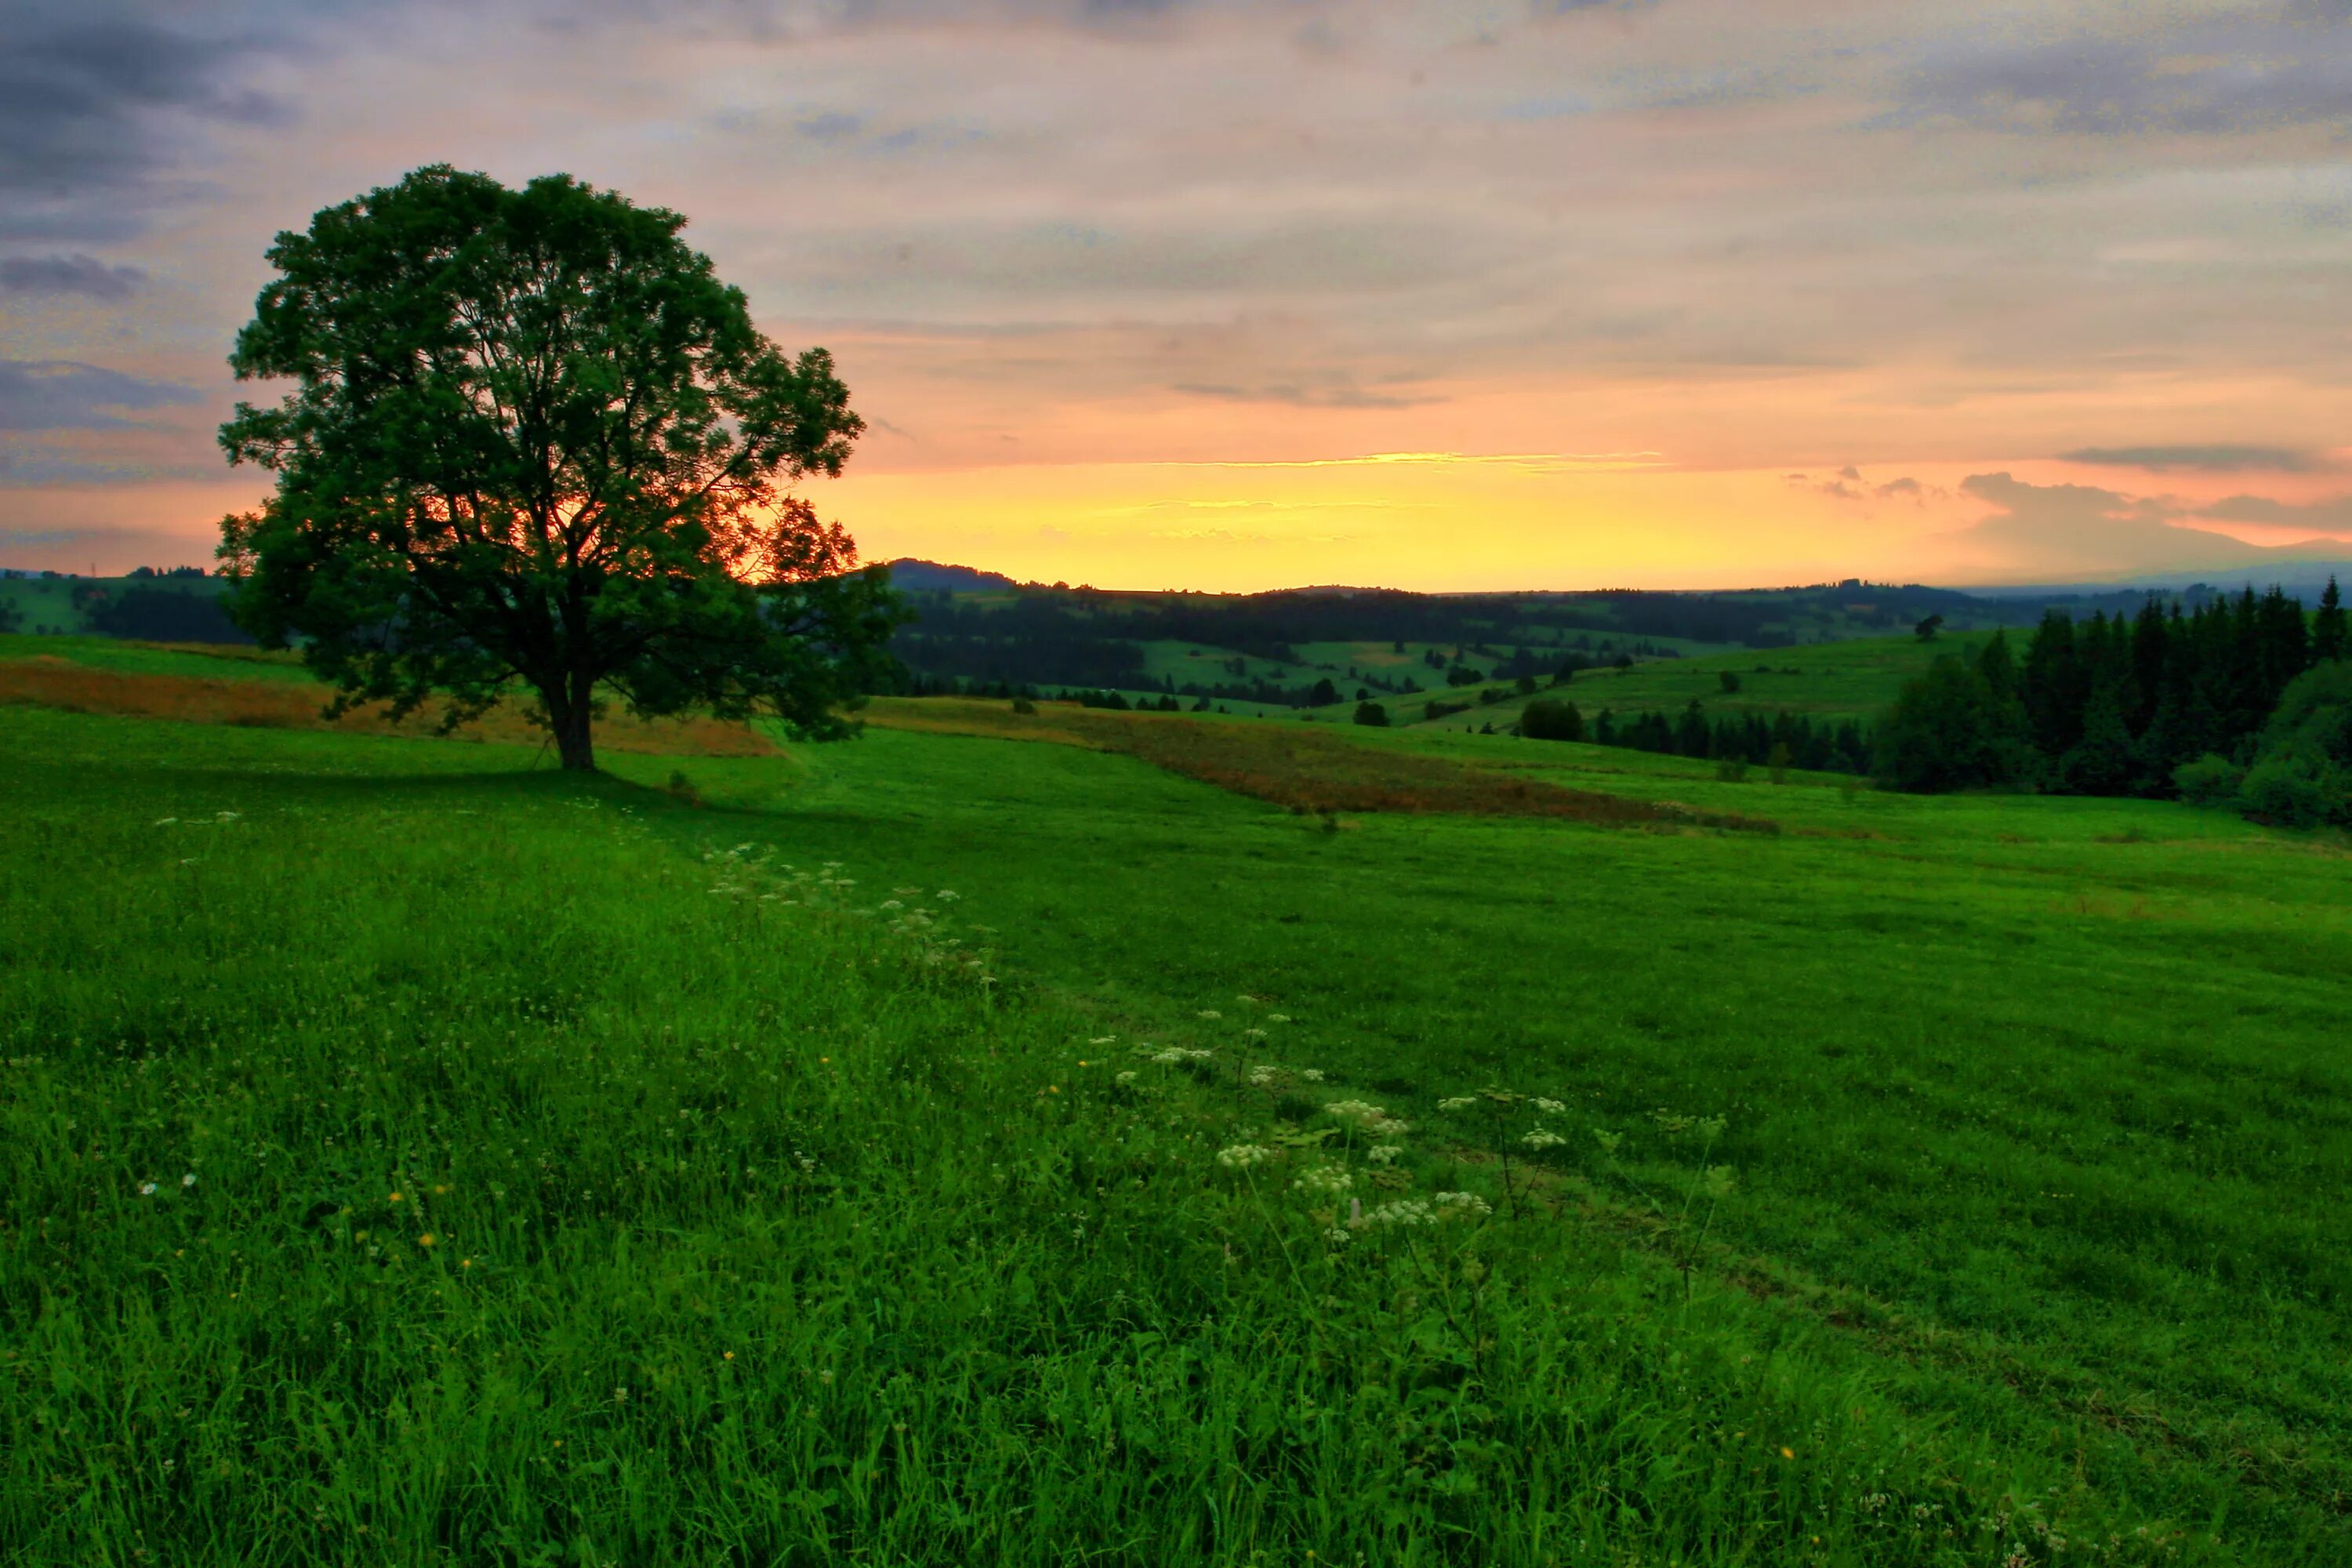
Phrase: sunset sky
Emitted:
{"points": [[1152, 293]]}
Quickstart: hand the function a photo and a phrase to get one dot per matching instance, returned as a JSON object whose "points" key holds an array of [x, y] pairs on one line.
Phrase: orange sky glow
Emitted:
{"points": [[1233, 296]]}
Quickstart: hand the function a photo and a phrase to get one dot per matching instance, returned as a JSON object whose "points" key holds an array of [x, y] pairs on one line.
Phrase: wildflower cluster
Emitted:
{"points": [[1371, 1118], [1329, 1179], [742, 869], [1436, 1209], [1242, 1157]]}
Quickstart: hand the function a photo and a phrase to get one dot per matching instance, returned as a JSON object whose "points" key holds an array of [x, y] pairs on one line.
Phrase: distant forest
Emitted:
{"points": [[2246, 699], [1037, 637]]}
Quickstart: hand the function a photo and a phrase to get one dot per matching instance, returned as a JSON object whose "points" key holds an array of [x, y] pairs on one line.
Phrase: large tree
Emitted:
{"points": [[532, 439]]}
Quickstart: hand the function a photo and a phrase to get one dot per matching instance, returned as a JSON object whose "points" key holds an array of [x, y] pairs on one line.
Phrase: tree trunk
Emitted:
{"points": [[573, 745], [568, 713]]}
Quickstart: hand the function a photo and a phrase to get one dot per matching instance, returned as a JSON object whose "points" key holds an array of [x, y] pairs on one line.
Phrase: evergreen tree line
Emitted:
{"points": [[1785, 740], [2111, 706]]}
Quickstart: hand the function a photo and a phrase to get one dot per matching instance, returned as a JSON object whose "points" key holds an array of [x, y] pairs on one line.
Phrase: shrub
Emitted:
{"points": [[1731, 770], [2296, 788], [1372, 713], [2208, 781], [1550, 719], [1023, 705]]}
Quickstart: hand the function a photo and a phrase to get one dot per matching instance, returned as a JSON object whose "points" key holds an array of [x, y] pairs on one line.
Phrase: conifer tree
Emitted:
{"points": [[2328, 639]]}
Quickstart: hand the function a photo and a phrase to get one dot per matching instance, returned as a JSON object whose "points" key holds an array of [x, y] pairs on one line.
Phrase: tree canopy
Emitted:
{"points": [[531, 438]]}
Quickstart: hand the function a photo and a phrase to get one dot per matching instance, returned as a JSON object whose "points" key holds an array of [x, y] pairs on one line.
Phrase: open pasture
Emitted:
{"points": [[1831, 681], [2023, 1249]]}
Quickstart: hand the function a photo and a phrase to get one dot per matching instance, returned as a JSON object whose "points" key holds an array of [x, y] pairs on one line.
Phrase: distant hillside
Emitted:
{"points": [[931, 577], [159, 608]]}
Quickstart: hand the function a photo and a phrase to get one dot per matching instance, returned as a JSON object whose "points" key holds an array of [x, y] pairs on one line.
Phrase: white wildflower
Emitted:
{"points": [[146, 1189], [1242, 1157], [1550, 1107], [189, 1180], [1355, 1110], [947, 895], [1337, 1236], [1312, 1075], [1387, 1127], [1324, 1179], [166, 821], [1458, 1102], [1210, 1014], [890, 904], [1127, 1078], [1401, 1212], [1464, 1205], [1261, 1076], [1104, 1040], [1384, 1154], [1543, 1138]]}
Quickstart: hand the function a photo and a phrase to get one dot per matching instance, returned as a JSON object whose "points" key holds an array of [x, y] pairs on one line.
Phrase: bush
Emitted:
{"points": [[2302, 774], [1372, 713], [1550, 719], [1023, 705], [1731, 770], [2296, 788], [2208, 781]]}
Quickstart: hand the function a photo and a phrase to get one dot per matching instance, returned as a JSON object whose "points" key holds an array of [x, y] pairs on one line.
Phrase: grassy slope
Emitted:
{"points": [[1832, 681], [46, 603], [208, 660], [2028, 1098]]}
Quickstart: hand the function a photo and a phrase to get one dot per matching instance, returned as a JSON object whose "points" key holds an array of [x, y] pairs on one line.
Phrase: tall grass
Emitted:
{"points": [[448, 1170]]}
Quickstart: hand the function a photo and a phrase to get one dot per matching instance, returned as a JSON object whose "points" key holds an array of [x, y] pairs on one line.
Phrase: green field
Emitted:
{"points": [[44, 606], [1833, 681], [773, 1223]]}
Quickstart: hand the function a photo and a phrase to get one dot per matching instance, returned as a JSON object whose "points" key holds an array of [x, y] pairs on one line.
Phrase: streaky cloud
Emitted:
{"points": [[2222, 459]]}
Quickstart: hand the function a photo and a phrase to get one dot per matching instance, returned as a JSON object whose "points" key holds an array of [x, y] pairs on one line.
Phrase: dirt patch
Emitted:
{"points": [[1290, 764]]}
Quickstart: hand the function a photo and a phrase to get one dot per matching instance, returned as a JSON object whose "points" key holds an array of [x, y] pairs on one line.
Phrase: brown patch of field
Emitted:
{"points": [[1306, 769], [296, 705]]}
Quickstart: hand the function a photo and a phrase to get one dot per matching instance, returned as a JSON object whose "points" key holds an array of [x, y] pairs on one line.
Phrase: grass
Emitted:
{"points": [[1832, 681], [45, 607], [268, 698], [2034, 1108]]}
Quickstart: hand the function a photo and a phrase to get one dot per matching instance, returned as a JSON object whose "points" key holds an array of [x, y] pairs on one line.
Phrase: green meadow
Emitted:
{"points": [[1832, 681], [937, 1148]]}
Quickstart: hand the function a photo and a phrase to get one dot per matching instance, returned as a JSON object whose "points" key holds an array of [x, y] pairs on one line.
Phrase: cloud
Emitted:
{"points": [[1847, 484], [2333, 516], [28, 538], [75, 274], [2227, 76], [2215, 459], [1303, 396], [2084, 529], [830, 127], [60, 395], [92, 115]]}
